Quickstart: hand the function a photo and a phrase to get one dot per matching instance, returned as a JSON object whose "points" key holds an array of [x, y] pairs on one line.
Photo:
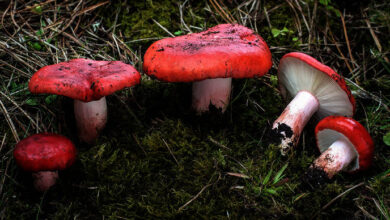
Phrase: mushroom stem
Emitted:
{"points": [[333, 160], [336, 158], [43, 180], [211, 91], [289, 125], [91, 117]]}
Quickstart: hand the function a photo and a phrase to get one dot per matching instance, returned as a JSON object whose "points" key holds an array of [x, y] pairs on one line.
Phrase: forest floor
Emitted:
{"points": [[158, 159]]}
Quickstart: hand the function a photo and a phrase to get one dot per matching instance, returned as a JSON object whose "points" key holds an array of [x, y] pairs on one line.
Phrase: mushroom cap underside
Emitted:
{"points": [[301, 72]]}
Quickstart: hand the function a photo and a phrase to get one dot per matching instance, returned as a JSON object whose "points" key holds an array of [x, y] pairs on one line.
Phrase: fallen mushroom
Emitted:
{"points": [[44, 154], [210, 59], [315, 88], [345, 145], [87, 82]]}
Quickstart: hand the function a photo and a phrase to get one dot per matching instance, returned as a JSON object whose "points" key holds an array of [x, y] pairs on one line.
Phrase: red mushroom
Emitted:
{"points": [[345, 145], [44, 154], [315, 88], [87, 82], [211, 58]]}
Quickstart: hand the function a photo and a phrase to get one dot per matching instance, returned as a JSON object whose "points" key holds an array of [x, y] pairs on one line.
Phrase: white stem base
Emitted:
{"points": [[336, 158], [211, 91], [43, 180], [294, 118], [91, 117]]}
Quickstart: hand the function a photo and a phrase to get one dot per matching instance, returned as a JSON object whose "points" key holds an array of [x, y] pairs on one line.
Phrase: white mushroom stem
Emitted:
{"points": [[211, 91], [289, 125], [43, 180], [336, 158], [91, 117]]}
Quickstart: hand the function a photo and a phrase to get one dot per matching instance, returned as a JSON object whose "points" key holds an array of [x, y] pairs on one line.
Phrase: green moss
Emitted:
{"points": [[136, 17]]}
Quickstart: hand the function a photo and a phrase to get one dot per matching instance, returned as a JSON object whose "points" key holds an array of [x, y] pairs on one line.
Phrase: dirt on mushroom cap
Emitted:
{"points": [[223, 51], [84, 79]]}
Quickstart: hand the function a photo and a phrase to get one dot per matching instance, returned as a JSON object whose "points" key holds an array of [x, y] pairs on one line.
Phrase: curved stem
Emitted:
{"points": [[289, 125], [91, 117], [336, 158], [211, 91]]}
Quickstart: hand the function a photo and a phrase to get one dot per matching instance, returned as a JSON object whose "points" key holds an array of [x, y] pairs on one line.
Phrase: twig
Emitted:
{"points": [[339, 50], [367, 214], [3, 141], [297, 20], [116, 44], [129, 110], [28, 8], [18, 70], [222, 12], [5, 174], [73, 39], [314, 14], [303, 16], [195, 197], [13, 54], [383, 212], [162, 27], [336, 198], [346, 38], [137, 141], [267, 18], [218, 144], [166, 144], [9, 121], [366, 94], [93, 7], [181, 6], [127, 49], [20, 108], [376, 40], [230, 16], [240, 175]]}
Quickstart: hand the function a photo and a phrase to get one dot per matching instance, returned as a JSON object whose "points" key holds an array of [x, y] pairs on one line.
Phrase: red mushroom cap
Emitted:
{"points": [[356, 134], [226, 50], [45, 152], [324, 69], [84, 79]]}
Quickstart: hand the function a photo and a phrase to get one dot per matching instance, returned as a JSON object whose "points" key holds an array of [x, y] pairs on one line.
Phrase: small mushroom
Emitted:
{"points": [[44, 154], [209, 59], [315, 89], [87, 82], [345, 145]]}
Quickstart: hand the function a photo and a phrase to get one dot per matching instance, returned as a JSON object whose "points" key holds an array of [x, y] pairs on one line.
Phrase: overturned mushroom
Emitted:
{"points": [[345, 145], [43, 155], [315, 89], [87, 82], [209, 59]]}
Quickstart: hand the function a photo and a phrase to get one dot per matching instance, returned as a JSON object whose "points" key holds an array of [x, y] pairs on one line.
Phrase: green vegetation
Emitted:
{"points": [[156, 158]]}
